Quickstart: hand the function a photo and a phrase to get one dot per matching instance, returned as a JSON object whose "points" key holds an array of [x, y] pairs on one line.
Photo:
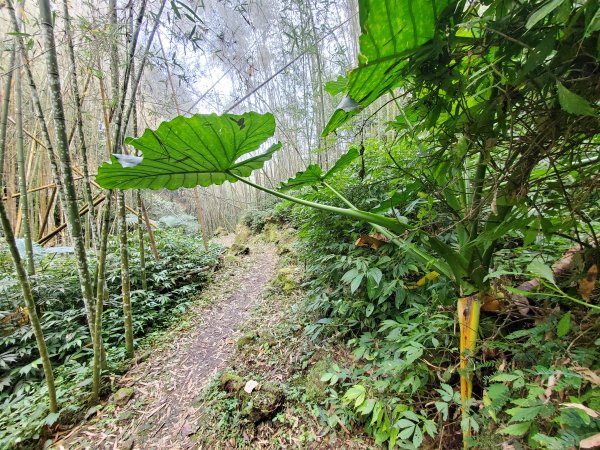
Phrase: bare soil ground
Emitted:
{"points": [[161, 413]]}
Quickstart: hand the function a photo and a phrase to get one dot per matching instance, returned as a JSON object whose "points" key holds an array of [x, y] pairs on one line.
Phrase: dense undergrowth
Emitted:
{"points": [[173, 282], [376, 344], [536, 383]]}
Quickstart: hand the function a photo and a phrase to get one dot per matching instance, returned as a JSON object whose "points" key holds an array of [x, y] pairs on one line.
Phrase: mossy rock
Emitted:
{"points": [[262, 403], [286, 279], [239, 249], [231, 382], [256, 406], [230, 259], [315, 389], [122, 396], [271, 232], [246, 339], [285, 249], [220, 231], [242, 235]]}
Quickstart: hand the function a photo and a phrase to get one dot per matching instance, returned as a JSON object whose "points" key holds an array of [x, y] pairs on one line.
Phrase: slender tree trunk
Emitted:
{"points": [[140, 71], [117, 142], [100, 293], [114, 56], [35, 99], [70, 194], [24, 196], [120, 123], [125, 284], [141, 242], [87, 189], [4, 114], [201, 218], [31, 309], [150, 232], [140, 212]]}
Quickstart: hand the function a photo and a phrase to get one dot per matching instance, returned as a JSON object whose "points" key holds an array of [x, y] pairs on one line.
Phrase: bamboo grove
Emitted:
{"points": [[485, 116], [49, 106]]}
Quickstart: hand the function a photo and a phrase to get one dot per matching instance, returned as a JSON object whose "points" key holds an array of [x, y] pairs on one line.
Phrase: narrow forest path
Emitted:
{"points": [[161, 412]]}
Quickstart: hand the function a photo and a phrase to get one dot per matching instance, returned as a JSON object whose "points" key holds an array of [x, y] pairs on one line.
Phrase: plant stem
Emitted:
{"points": [[24, 196], [125, 284], [70, 193], [4, 113], [100, 290], [31, 307], [141, 242], [386, 222]]}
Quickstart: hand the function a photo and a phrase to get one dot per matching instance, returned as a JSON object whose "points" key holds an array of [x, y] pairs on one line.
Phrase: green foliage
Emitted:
{"points": [[546, 398], [256, 218], [391, 31], [191, 151], [314, 175], [173, 281], [487, 175], [400, 383]]}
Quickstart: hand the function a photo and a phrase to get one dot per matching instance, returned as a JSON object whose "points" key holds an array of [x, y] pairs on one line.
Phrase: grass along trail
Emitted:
{"points": [[154, 407]]}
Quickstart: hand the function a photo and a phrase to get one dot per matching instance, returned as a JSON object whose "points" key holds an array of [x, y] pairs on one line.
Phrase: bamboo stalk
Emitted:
{"points": [[23, 221], [141, 242], [4, 113], [100, 294], [87, 190], [201, 218], [82, 211], [69, 194], [44, 223], [150, 232], [125, 283], [31, 308]]}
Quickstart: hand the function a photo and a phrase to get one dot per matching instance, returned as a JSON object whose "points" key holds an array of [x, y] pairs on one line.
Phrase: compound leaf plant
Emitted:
{"points": [[498, 98]]}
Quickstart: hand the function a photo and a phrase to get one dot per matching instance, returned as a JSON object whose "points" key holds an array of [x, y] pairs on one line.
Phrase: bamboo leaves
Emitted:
{"points": [[204, 149]]}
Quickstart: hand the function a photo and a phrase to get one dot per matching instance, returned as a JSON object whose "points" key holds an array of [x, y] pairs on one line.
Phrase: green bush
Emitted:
{"points": [[173, 282], [401, 381]]}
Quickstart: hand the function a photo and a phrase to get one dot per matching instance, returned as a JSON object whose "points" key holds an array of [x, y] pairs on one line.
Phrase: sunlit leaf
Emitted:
{"points": [[564, 325], [516, 429], [537, 267], [204, 149], [390, 31]]}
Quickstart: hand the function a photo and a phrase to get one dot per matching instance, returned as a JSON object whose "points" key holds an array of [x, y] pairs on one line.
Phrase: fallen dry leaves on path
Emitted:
{"points": [[161, 413]]}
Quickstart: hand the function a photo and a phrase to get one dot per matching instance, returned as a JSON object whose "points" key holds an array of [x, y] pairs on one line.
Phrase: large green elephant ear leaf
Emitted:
{"points": [[201, 150], [314, 174], [391, 31]]}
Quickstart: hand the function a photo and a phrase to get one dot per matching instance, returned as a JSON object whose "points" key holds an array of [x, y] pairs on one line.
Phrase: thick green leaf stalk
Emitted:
{"points": [[376, 219]]}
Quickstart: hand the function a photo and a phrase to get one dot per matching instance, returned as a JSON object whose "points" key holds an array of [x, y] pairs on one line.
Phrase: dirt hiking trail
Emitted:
{"points": [[154, 407]]}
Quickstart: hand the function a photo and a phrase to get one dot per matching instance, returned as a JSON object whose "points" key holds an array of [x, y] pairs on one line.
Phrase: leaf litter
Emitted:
{"points": [[162, 413]]}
